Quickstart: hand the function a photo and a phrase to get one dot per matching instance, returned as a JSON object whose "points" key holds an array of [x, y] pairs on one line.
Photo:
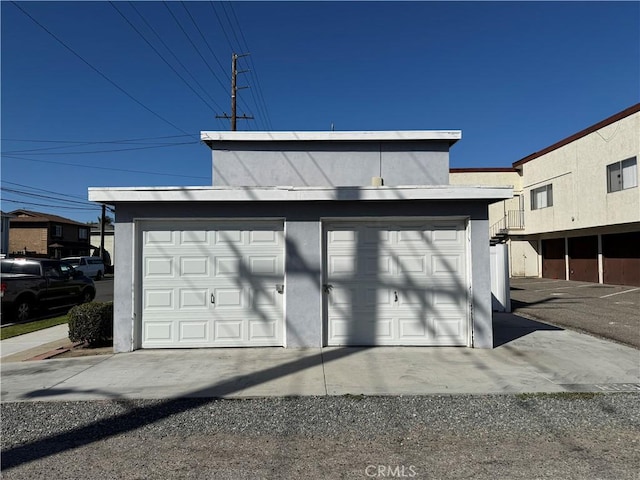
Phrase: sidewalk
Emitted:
{"points": [[29, 345], [530, 357]]}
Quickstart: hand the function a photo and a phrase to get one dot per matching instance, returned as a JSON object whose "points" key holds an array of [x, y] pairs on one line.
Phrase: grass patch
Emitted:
{"points": [[22, 328]]}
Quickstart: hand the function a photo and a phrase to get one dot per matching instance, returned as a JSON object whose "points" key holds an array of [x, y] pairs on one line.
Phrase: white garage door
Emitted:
{"points": [[212, 285], [397, 283]]}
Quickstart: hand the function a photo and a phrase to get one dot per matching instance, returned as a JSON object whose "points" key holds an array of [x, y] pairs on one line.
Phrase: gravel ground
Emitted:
{"points": [[554, 436]]}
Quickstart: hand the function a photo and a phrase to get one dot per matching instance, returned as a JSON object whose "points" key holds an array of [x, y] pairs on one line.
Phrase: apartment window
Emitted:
{"points": [[622, 175], [83, 234], [56, 231], [542, 197]]}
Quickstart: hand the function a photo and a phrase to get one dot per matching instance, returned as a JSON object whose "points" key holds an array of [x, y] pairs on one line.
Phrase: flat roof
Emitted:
{"points": [[112, 195], [450, 136]]}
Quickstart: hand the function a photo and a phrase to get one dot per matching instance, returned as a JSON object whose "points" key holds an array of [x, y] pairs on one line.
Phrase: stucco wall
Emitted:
{"points": [[336, 164], [578, 173], [497, 210], [303, 270]]}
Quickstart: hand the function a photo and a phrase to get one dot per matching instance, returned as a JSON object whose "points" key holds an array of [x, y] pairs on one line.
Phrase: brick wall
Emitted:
{"points": [[35, 239]]}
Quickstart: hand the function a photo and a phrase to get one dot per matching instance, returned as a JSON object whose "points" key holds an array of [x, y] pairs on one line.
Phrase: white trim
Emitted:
{"points": [[226, 136], [248, 194], [600, 260], [567, 267]]}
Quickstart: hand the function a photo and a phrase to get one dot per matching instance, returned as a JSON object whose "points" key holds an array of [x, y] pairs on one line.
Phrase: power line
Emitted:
{"points": [[39, 151], [43, 190], [37, 195], [20, 202], [93, 141], [252, 70], [194, 45], [204, 38], [176, 58], [157, 115], [162, 58], [104, 168]]}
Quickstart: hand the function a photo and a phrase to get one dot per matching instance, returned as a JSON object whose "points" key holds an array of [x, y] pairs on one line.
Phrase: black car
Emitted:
{"points": [[30, 284]]}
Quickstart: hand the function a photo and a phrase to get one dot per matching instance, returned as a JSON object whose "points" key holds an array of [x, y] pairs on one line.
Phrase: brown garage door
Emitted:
{"points": [[553, 258], [583, 259], [621, 258]]}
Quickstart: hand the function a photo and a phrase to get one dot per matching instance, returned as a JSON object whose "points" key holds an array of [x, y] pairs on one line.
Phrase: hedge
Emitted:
{"points": [[91, 322]]}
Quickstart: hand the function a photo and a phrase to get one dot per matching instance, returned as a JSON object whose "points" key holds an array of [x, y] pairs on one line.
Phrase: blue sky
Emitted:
{"points": [[104, 108]]}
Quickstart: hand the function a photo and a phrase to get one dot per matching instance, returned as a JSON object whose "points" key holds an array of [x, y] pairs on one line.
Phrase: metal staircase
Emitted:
{"points": [[499, 231]]}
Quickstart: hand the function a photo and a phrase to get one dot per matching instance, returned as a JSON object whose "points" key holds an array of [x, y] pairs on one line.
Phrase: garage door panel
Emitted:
{"points": [[160, 299], [447, 328], [159, 238], [158, 331], [212, 284], [412, 329], [420, 277], [194, 266], [193, 299], [158, 267], [194, 237], [229, 330], [361, 330], [412, 264], [195, 331], [446, 265], [260, 331]]}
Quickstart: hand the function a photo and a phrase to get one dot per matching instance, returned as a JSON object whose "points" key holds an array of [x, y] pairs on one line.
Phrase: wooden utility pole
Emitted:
{"points": [[102, 223], [234, 93]]}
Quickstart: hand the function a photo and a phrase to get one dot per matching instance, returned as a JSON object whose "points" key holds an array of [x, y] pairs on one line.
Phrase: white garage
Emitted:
{"points": [[212, 284], [397, 282], [306, 240]]}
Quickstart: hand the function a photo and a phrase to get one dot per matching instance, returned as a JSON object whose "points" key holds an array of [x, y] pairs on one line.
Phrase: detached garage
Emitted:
{"points": [[322, 262]]}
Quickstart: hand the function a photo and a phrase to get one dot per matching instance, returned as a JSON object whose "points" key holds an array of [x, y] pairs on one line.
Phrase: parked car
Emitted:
{"points": [[91, 266], [30, 284]]}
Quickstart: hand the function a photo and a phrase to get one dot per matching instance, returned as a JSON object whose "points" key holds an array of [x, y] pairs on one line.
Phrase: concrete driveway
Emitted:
{"points": [[530, 357], [608, 311]]}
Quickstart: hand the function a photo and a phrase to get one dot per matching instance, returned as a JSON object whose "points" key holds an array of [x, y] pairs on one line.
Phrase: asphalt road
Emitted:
{"points": [[607, 311], [104, 289]]}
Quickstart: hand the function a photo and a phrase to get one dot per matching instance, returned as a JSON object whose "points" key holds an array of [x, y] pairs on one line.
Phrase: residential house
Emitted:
{"points": [[306, 239], [109, 246], [575, 214], [42, 234], [4, 233]]}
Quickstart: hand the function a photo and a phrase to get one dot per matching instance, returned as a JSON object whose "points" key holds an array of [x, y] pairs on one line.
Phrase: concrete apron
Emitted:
{"points": [[528, 361]]}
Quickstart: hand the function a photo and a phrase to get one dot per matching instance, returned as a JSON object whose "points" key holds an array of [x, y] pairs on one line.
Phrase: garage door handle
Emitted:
{"points": [[396, 295], [327, 287], [213, 299]]}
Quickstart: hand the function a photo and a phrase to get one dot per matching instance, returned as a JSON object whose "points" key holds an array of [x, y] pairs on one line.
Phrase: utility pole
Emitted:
{"points": [[234, 92], [102, 223]]}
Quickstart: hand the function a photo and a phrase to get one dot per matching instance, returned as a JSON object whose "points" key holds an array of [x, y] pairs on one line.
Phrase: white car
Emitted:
{"points": [[91, 266]]}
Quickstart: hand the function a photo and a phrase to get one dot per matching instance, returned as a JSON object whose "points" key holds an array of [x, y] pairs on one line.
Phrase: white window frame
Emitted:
{"points": [[622, 175], [57, 231], [542, 193], [83, 233]]}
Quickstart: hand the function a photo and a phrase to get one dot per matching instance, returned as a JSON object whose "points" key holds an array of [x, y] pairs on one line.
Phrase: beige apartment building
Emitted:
{"points": [[575, 213]]}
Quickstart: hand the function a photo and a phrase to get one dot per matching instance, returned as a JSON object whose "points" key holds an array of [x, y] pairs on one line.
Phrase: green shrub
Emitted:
{"points": [[91, 323]]}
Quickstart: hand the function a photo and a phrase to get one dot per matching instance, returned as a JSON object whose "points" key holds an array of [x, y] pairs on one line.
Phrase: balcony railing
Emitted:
{"points": [[512, 220]]}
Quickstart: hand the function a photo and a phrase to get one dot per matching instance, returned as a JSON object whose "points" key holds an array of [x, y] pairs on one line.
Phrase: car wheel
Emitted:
{"points": [[86, 296], [99, 275], [23, 309]]}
